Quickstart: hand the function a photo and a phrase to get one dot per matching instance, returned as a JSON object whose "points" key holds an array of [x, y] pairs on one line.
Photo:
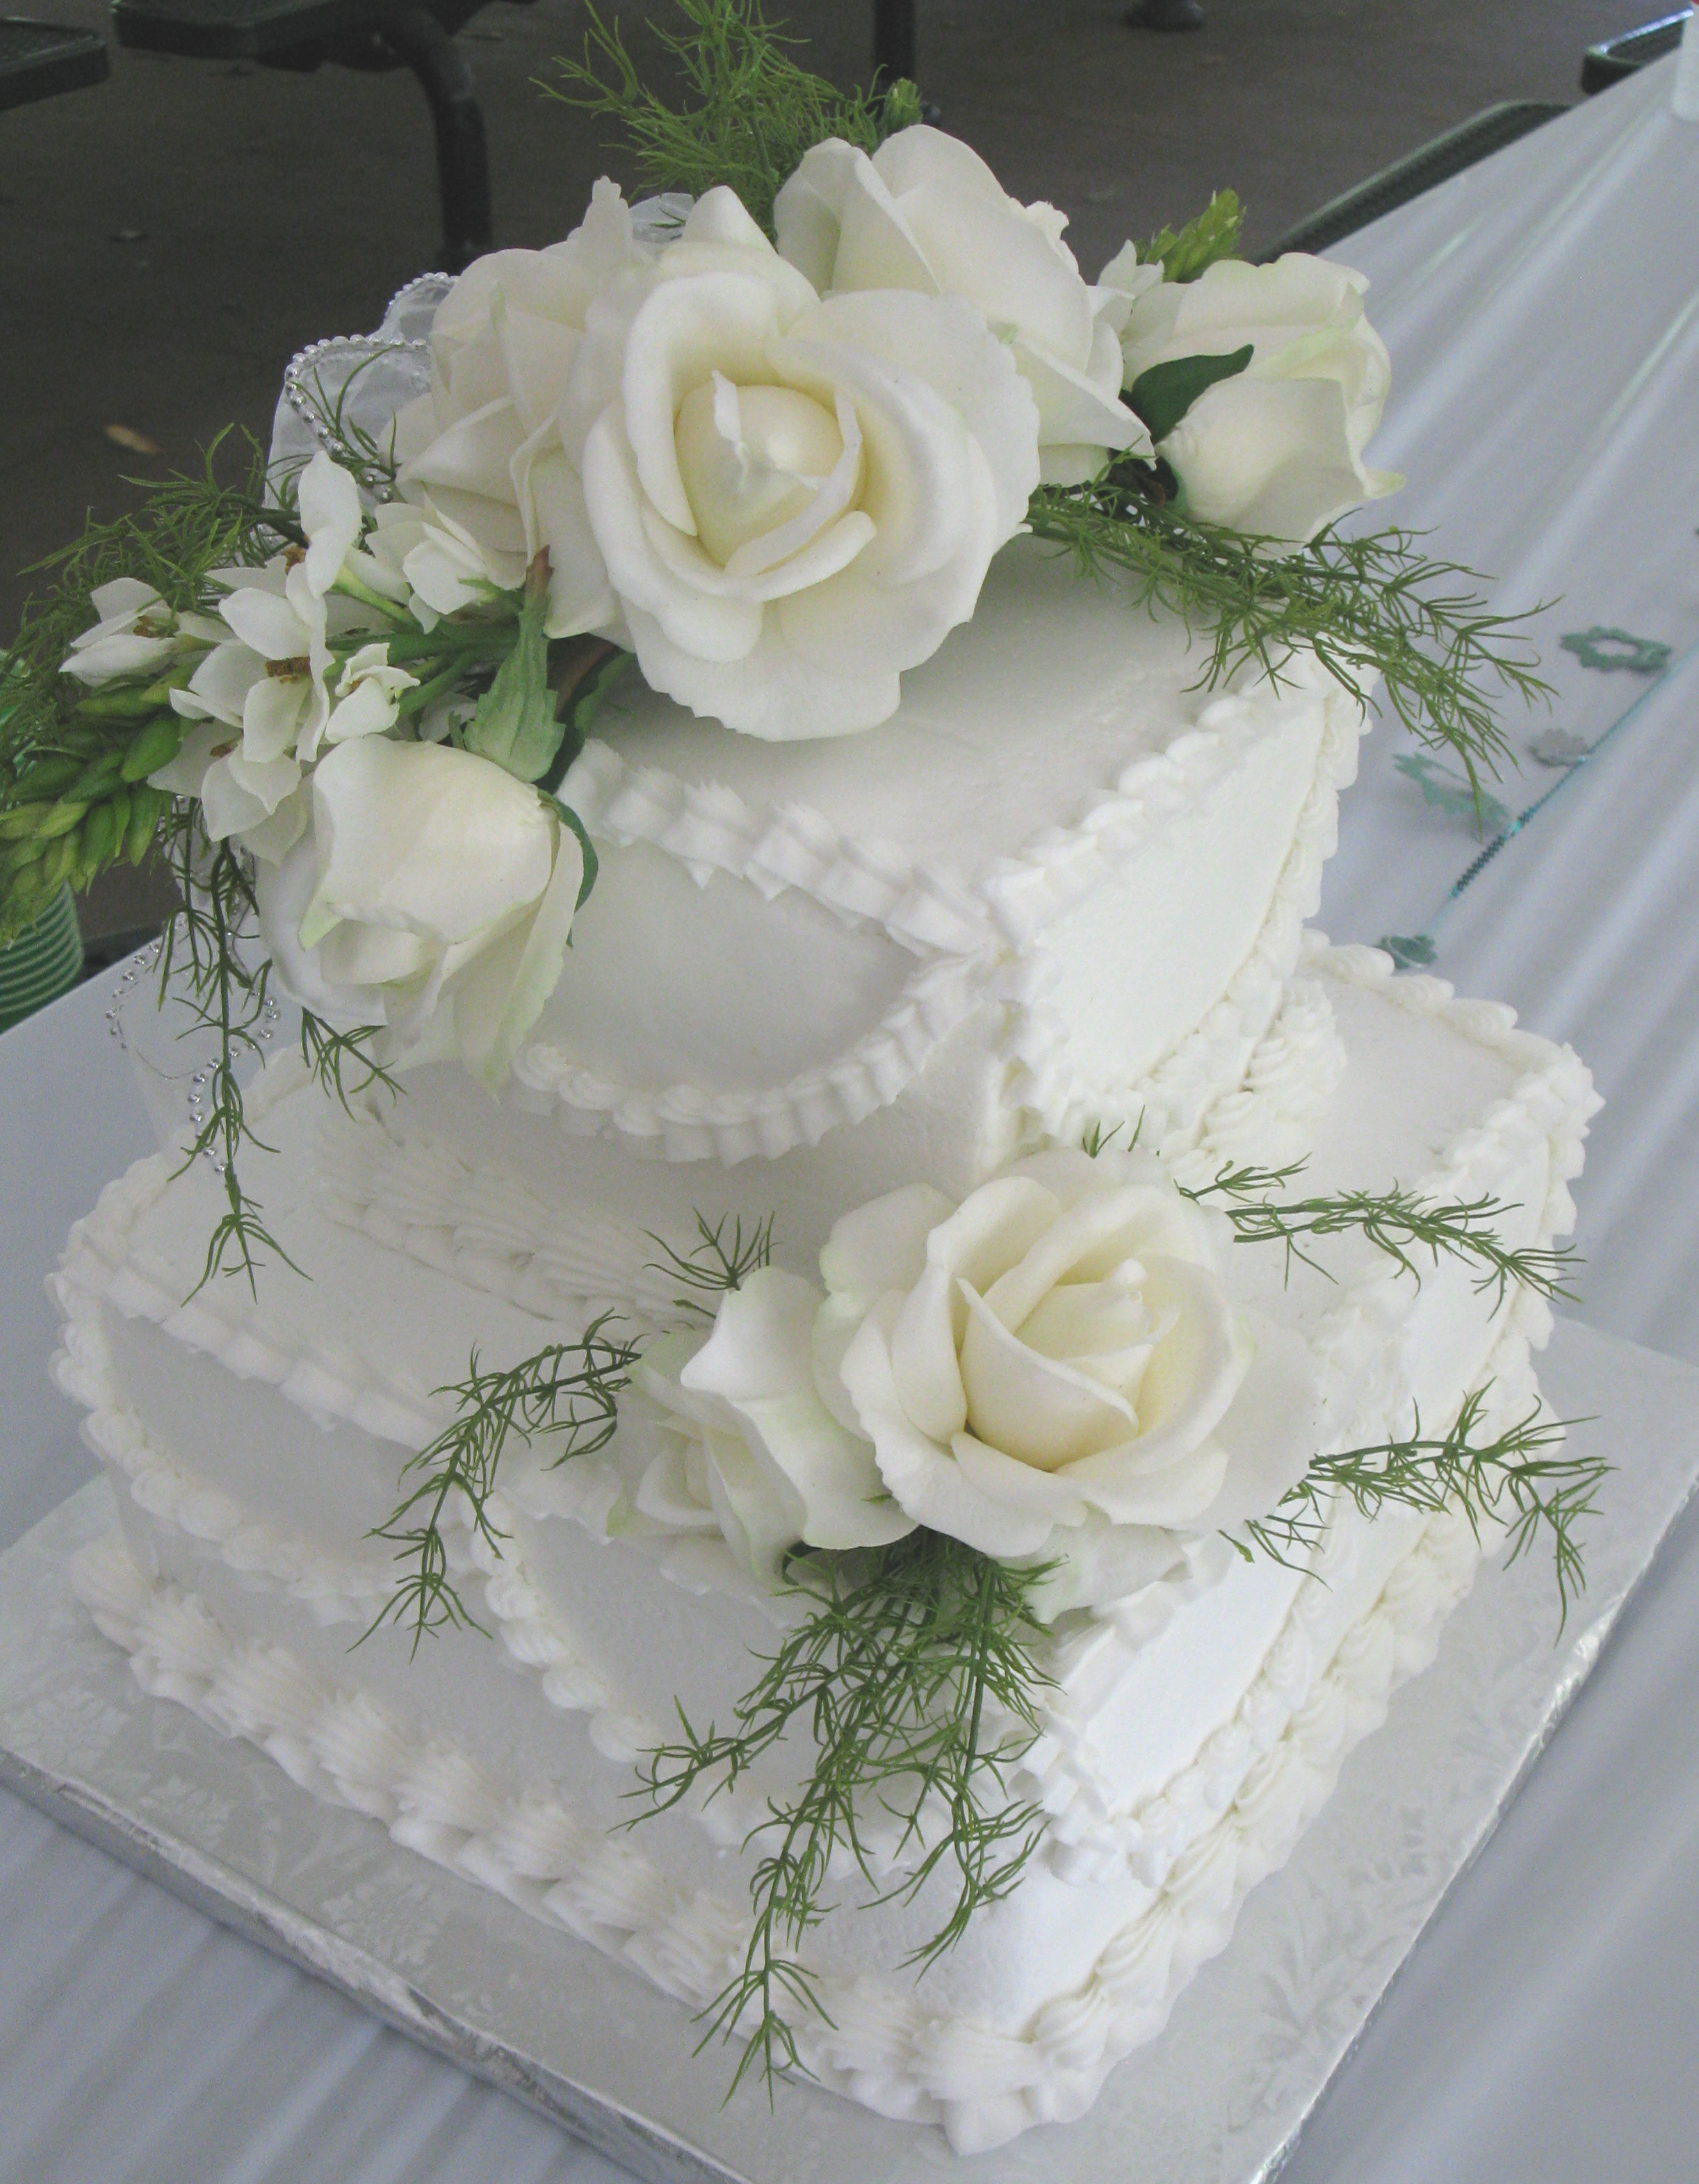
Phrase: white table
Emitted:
{"points": [[1543, 313]]}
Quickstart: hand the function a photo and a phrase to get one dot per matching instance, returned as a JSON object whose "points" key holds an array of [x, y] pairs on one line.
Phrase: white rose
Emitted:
{"points": [[480, 452], [1277, 449], [794, 500], [750, 1450], [926, 213], [1058, 1364], [434, 893], [1054, 1371]]}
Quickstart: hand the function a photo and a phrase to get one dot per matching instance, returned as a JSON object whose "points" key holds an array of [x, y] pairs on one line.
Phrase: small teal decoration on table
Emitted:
{"points": [[1611, 649], [1559, 747], [1452, 793], [1410, 952], [44, 961]]}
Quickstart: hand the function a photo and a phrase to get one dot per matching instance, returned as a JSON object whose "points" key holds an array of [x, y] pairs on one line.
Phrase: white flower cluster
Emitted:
{"points": [[778, 475], [1056, 1371], [401, 883]]}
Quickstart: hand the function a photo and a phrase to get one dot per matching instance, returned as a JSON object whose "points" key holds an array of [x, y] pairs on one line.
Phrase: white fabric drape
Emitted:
{"points": [[1542, 310]]}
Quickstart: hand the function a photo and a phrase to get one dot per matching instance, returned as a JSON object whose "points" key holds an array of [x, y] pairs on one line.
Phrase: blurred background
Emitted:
{"points": [[170, 236]]}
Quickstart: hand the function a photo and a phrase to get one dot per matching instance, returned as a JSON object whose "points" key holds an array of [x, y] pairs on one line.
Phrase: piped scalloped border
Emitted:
{"points": [[971, 935], [1168, 1104], [881, 2047], [684, 1124]]}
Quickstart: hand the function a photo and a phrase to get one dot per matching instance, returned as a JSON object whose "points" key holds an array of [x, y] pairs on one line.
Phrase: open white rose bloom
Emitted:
{"points": [[725, 1275], [926, 213]]}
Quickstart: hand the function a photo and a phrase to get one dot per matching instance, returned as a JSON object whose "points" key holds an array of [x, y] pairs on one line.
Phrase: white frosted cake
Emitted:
{"points": [[864, 1437], [1062, 889]]}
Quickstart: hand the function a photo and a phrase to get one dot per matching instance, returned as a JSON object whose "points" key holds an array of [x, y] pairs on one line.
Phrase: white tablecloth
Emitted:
{"points": [[1543, 315]]}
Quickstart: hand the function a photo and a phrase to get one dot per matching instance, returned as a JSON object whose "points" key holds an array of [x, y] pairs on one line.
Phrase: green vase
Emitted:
{"points": [[44, 961]]}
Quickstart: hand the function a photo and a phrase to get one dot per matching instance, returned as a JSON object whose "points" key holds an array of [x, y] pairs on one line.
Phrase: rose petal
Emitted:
{"points": [[986, 1234], [425, 839], [704, 628], [925, 1478], [686, 330], [758, 1362], [883, 1245], [666, 1496], [1040, 1410], [498, 995], [1275, 1426], [1194, 1373], [875, 248], [942, 342], [551, 503], [1272, 457]]}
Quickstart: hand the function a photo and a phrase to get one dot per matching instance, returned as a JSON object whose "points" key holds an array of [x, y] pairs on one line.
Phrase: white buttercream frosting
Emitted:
{"points": [[1064, 887], [1195, 1726]]}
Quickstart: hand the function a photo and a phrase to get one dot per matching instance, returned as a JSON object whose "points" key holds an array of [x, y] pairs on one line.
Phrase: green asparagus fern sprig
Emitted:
{"points": [[201, 962], [568, 1391], [1368, 608], [918, 1675], [1525, 1476], [1400, 1224], [749, 113], [715, 1263], [345, 1062]]}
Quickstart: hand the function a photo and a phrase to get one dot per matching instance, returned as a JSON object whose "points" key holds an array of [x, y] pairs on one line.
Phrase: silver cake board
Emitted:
{"points": [[1219, 2099]]}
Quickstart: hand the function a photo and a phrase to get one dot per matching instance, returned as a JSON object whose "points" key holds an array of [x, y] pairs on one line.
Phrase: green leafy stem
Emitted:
{"points": [[918, 1675], [1400, 1223], [569, 1390], [226, 993], [749, 111], [1374, 607], [1525, 1476]]}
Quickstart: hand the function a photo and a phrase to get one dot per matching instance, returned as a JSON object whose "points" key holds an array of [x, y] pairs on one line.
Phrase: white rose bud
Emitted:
{"points": [[1275, 449], [434, 893]]}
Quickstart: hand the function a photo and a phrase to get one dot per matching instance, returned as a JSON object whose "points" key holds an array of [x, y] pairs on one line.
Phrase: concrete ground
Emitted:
{"points": [[168, 239]]}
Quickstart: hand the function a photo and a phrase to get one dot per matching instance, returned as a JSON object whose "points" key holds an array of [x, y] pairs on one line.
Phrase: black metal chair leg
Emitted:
{"points": [[463, 171]]}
